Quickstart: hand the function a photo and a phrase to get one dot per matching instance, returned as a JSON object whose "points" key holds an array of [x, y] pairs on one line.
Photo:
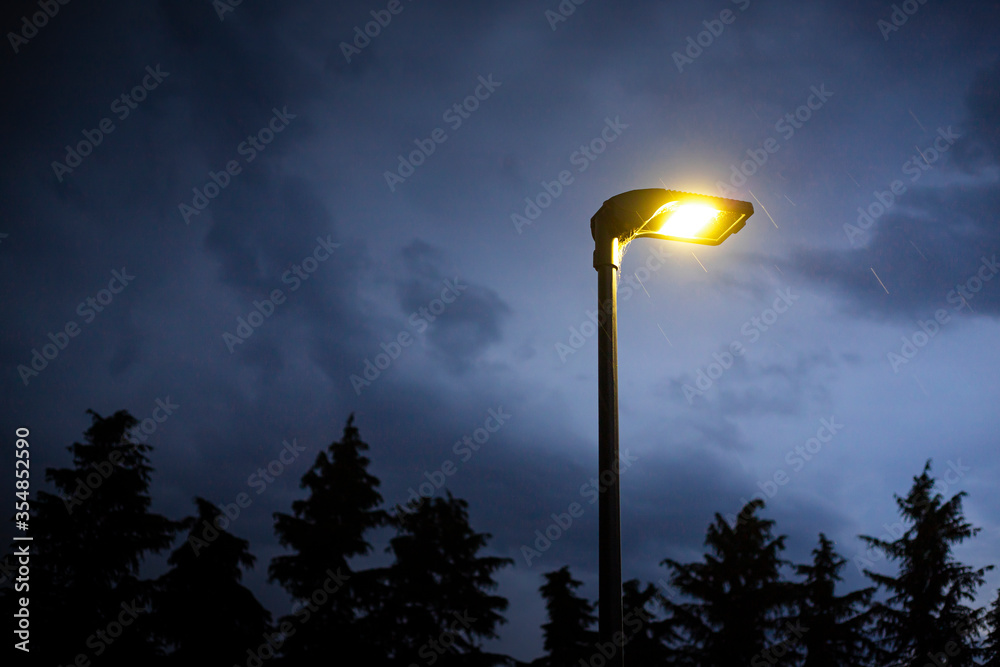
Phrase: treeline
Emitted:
{"points": [[436, 602]]}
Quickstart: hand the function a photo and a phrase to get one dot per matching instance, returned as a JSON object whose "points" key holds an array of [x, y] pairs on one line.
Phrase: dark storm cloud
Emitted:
{"points": [[680, 498], [980, 147], [322, 178], [779, 384], [931, 241], [461, 319], [668, 503], [162, 334], [270, 225]]}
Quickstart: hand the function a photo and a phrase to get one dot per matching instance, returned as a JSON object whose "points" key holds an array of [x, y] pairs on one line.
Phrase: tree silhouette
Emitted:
{"points": [[992, 644], [201, 610], [326, 530], [435, 604], [924, 614], [568, 634], [90, 541], [737, 594], [646, 638], [838, 625]]}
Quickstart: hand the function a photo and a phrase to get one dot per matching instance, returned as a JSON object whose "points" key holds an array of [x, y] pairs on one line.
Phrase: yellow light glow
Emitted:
{"points": [[686, 220]]}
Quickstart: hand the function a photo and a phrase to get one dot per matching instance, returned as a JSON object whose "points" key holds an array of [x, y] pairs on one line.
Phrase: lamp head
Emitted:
{"points": [[671, 215]]}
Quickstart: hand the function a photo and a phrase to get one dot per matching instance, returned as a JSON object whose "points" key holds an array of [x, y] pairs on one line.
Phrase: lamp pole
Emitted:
{"points": [[662, 214], [607, 261]]}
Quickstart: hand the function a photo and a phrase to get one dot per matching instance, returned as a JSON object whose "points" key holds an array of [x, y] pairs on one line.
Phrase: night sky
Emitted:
{"points": [[250, 221]]}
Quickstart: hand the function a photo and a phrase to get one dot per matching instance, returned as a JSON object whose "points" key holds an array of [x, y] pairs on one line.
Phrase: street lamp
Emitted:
{"points": [[653, 213]]}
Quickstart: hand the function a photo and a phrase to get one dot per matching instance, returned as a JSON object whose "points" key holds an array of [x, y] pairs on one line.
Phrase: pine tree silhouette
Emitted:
{"points": [[838, 625], [925, 609], [569, 637], [738, 596], [326, 530], [991, 653], [201, 611], [436, 603], [91, 540], [647, 637]]}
